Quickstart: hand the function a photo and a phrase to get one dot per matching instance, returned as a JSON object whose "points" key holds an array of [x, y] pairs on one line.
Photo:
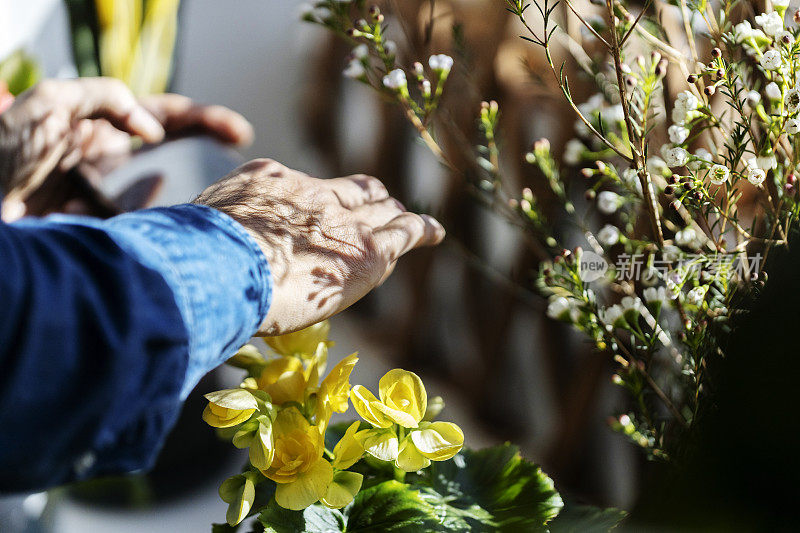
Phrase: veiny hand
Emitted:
{"points": [[87, 123], [328, 242]]}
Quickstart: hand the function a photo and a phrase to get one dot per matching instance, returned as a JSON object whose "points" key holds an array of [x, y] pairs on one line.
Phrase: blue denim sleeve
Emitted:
{"points": [[105, 326]]}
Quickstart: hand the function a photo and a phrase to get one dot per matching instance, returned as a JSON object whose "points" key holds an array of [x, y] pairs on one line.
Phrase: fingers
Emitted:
{"points": [[379, 213], [354, 191], [406, 232], [98, 98], [178, 113]]}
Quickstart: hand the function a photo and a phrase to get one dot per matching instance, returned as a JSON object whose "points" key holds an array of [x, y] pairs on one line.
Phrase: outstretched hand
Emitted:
{"points": [[328, 242], [87, 124]]}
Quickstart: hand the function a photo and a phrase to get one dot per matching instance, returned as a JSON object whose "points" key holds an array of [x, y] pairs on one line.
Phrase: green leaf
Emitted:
{"points": [[494, 490], [315, 519], [586, 519], [19, 71], [391, 506]]}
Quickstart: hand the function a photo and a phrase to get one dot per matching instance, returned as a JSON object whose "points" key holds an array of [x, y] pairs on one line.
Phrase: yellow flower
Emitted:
{"points": [[238, 492], [343, 489], [284, 380], [301, 343], [348, 450], [229, 407], [256, 434], [437, 441], [298, 468], [403, 400], [334, 391]]}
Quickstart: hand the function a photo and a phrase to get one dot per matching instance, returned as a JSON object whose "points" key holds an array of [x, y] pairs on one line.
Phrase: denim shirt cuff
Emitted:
{"points": [[217, 272]]}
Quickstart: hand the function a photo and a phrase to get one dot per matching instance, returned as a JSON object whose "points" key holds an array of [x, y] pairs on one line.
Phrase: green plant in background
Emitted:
{"points": [[399, 469], [19, 72], [133, 40], [688, 191]]}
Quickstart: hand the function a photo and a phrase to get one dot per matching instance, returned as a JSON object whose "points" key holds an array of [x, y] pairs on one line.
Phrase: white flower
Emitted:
{"points": [[687, 101], [756, 176], [771, 22], [671, 253], [677, 134], [608, 235], [703, 157], [719, 174], [792, 126], [440, 62], [611, 316], [655, 295], [754, 97], [772, 91], [354, 69], [608, 202], [593, 104], [792, 100], [395, 80], [766, 162], [686, 237], [631, 307], [561, 308], [631, 177], [743, 30], [675, 156], [780, 3], [696, 295], [573, 152], [614, 113], [390, 47], [785, 35], [656, 165], [361, 51], [771, 60]]}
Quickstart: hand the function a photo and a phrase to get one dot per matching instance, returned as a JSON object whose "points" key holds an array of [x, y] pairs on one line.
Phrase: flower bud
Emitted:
{"points": [[668, 190], [710, 90], [661, 68], [673, 179], [791, 178], [655, 56], [590, 194], [692, 79], [720, 73], [716, 53], [796, 17], [587, 172]]}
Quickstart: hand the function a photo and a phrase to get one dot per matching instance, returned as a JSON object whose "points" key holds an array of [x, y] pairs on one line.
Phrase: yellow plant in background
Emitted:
{"points": [[136, 42], [281, 413]]}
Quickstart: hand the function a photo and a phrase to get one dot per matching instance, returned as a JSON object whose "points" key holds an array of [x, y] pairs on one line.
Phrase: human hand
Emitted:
{"points": [[328, 242], [88, 124]]}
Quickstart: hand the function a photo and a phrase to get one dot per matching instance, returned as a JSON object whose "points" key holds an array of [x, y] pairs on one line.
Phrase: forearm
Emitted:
{"points": [[106, 326]]}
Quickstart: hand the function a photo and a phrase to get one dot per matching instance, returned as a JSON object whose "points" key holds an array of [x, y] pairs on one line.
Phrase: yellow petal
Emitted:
{"points": [[409, 458], [336, 386], [364, 403], [288, 420], [262, 448], [238, 492], [309, 487], [343, 489], [248, 356], [403, 391], [284, 380], [303, 342], [238, 399], [397, 416], [439, 441], [379, 443], [348, 450], [227, 418]]}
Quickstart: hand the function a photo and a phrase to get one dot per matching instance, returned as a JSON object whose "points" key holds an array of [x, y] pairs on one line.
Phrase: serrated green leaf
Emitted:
{"points": [[516, 494], [391, 506], [314, 519], [586, 519]]}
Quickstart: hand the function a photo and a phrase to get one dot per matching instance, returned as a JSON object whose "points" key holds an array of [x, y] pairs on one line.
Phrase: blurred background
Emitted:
{"points": [[455, 315]]}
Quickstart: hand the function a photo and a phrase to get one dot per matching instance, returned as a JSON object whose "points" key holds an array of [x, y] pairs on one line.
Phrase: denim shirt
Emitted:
{"points": [[106, 326]]}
